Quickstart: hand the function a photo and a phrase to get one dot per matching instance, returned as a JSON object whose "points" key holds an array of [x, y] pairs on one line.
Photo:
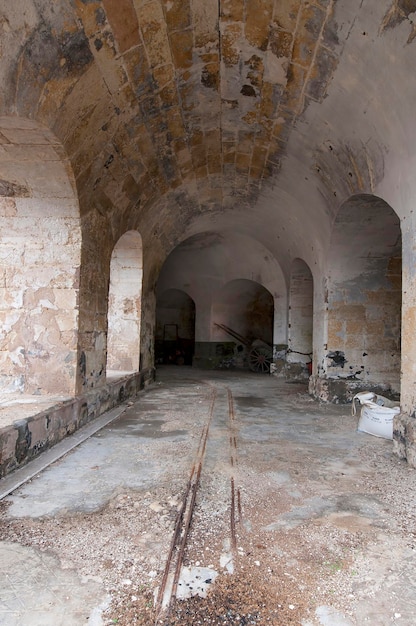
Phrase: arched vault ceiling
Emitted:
{"points": [[174, 110]]}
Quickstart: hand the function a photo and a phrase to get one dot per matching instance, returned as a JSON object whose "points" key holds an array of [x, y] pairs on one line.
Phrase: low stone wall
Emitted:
{"points": [[342, 390], [26, 438]]}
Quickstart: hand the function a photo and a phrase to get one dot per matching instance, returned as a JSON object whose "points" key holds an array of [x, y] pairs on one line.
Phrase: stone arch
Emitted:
{"points": [[205, 262], [300, 326], [40, 251], [124, 305], [175, 328], [364, 294]]}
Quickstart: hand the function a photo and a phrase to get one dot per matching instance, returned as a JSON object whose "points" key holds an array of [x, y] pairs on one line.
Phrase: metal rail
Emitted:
{"points": [[235, 493], [183, 522], [168, 590]]}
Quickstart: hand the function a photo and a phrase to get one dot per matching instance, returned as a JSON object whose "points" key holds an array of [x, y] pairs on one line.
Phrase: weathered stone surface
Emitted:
{"points": [[28, 437], [404, 438], [267, 119]]}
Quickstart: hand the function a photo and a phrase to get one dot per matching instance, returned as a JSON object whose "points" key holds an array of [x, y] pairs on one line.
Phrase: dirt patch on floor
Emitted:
{"points": [[124, 546]]}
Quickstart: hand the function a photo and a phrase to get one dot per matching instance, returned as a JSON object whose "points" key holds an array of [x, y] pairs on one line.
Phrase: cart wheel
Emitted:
{"points": [[260, 359]]}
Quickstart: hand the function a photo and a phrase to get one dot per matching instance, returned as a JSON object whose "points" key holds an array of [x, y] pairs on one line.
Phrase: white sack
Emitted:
{"points": [[377, 413]]}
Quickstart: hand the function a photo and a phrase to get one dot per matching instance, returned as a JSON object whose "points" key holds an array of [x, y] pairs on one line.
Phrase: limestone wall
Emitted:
{"points": [[40, 245]]}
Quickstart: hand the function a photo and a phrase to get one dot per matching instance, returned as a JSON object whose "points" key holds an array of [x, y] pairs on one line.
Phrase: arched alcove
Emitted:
{"points": [[300, 332], [124, 305], [364, 294], [243, 310], [40, 251], [175, 328]]}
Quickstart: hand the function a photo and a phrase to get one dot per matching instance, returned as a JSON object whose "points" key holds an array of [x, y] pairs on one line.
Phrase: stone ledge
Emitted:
{"points": [[26, 438]]}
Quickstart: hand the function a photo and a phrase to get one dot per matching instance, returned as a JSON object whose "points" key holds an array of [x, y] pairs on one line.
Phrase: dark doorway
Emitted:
{"points": [[175, 328]]}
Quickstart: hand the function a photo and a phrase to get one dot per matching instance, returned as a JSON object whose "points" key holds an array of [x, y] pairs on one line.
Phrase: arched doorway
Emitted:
{"points": [[175, 328], [201, 266], [124, 305], [364, 295], [300, 331]]}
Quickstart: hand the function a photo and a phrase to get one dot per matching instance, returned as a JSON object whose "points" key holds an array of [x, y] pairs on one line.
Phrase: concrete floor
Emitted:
{"points": [[325, 514]]}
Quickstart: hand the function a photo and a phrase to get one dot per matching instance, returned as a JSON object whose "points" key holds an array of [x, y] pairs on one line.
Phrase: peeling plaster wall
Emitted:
{"points": [[364, 294], [40, 244]]}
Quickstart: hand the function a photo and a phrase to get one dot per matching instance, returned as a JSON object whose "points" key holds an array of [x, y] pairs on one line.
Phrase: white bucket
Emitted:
{"points": [[377, 414]]}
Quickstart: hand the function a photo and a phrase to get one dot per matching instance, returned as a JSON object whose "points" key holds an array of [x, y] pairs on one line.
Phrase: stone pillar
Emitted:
{"points": [[94, 282], [148, 320], [405, 423], [408, 379]]}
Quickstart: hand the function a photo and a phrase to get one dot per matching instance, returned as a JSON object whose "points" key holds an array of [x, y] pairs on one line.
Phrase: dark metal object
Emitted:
{"points": [[260, 353]]}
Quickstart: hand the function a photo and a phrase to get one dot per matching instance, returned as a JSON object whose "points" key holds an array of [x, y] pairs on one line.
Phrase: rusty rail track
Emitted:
{"points": [[171, 575], [235, 493], [183, 521]]}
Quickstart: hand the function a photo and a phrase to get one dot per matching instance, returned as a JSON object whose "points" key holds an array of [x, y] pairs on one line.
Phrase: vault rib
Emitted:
{"points": [[300, 107], [220, 95]]}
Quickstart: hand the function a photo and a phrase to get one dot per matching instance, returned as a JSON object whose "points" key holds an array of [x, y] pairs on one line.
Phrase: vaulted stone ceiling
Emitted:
{"points": [[180, 116]]}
